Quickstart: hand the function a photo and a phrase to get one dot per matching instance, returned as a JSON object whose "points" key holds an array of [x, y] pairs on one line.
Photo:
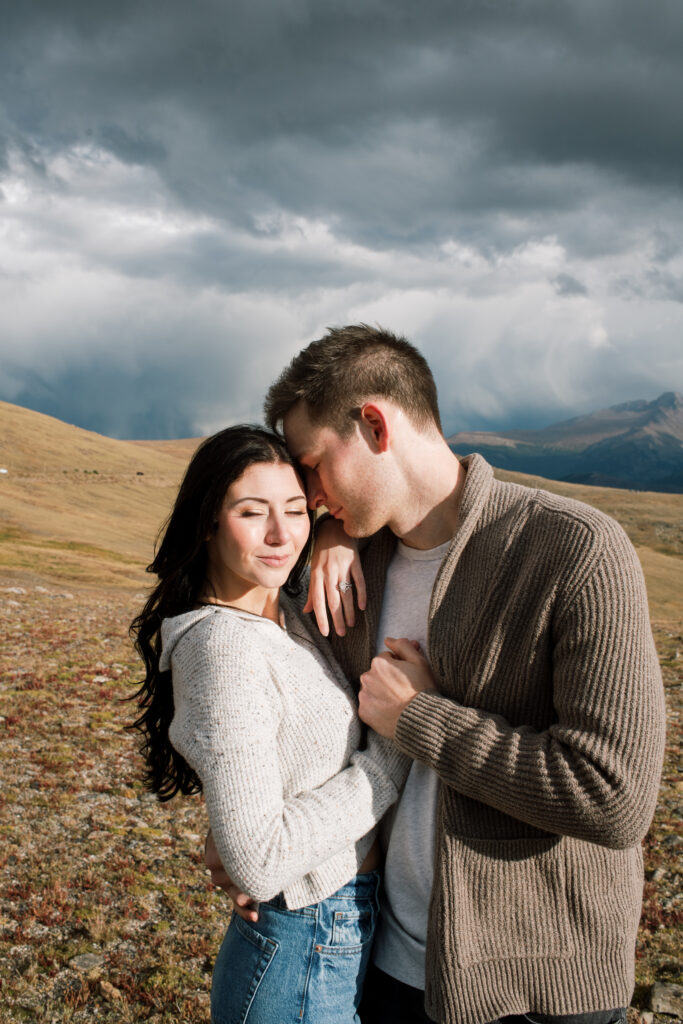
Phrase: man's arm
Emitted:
{"points": [[594, 772], [243, 905]]}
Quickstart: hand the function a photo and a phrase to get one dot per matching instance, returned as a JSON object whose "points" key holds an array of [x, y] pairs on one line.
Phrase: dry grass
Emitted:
{"points": [[75, 505], [90, 863]]}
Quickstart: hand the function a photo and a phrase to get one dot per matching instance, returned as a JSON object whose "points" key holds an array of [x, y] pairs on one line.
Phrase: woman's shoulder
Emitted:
{"points": [[206, 628], [303, 631]]}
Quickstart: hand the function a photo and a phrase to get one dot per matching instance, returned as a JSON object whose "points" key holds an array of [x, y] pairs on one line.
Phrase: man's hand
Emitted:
{"points": [[243, 904], [335, 560], [395, 677]]}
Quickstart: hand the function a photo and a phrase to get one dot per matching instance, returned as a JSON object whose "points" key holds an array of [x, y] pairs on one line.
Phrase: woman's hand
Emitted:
{"points": [[394, 678], [335, 560]]}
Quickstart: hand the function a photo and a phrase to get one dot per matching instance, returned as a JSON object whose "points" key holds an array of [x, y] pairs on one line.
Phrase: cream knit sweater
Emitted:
{"points": [[547, 735], [268, 721]]}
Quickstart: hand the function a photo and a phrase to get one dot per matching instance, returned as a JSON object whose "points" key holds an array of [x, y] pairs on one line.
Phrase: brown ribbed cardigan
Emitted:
{"points": [[547, 735]]}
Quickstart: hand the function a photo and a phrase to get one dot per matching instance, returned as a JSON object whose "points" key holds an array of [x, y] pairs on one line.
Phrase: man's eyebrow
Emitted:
{"points": [[305, 453]]}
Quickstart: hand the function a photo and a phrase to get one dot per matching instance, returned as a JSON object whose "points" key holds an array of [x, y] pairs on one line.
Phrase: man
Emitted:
{"points": [[537, 738]]}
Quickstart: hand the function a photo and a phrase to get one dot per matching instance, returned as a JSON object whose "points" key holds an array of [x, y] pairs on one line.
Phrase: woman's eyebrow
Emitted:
{"points": [[264, 501]]}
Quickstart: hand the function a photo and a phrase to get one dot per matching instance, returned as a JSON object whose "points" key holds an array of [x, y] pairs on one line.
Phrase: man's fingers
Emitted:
{"points": [[239, 898], [246, 913], [221, 879], [405, 649], [211, 858], [243, 905]]}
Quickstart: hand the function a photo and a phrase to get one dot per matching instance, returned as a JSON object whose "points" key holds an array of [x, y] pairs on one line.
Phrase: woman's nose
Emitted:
{"points": [[278, 530]]}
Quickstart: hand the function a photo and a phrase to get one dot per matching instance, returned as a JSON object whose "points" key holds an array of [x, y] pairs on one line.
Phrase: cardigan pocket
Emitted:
{"points": [[605, 891], [504, 900]]}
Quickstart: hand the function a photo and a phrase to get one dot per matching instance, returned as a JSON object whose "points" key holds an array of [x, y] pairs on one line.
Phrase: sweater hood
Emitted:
{"points": [[176, 627]]}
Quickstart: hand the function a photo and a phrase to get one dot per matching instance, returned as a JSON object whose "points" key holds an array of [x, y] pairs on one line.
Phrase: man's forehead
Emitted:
{"points": [[301, 434]]}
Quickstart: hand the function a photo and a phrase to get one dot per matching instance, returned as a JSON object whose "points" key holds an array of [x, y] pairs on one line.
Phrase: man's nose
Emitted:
{"points": [[315, 495]]}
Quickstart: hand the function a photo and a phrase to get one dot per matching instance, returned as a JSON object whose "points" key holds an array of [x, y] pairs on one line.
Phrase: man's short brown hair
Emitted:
{"points": [[335, 375]]}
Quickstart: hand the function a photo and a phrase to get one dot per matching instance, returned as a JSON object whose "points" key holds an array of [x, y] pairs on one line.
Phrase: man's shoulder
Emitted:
{"points": [[550, 535], [555, 511]]}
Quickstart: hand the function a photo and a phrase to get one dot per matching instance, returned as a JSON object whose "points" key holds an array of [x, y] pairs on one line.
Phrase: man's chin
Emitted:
{"points": [[356, 529]]}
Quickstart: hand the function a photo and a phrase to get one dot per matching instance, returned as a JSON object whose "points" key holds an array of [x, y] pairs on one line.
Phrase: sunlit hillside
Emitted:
{"points": [[78, 506], [106, 912]]}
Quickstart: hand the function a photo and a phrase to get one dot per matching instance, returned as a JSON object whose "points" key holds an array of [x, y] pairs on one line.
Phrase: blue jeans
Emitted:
{"points": [[306, 966]]}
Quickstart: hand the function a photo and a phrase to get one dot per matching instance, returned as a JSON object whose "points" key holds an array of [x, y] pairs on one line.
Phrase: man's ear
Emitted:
{"points": [[375, 424]]}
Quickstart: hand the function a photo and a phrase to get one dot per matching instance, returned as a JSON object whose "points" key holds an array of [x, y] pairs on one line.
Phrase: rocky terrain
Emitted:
{"points": [[106, 911]]}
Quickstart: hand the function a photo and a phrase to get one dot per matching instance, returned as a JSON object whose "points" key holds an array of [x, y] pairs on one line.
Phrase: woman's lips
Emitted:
{"points": [[275, 560]]}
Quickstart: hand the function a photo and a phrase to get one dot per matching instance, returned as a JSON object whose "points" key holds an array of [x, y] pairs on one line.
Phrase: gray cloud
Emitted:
{"points": [[507, 174], [565, 284]]}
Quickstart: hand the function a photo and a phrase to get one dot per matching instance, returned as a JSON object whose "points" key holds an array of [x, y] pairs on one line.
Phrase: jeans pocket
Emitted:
{"points": [[352, 928], [241, 964]]}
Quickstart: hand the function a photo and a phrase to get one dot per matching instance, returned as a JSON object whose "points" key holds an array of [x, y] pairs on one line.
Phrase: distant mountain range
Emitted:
{"points": [[637, 445]]}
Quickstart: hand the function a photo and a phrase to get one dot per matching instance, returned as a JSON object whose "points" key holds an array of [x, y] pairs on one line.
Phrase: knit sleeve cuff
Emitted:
{"points": [[387, 759], [427, 722]]}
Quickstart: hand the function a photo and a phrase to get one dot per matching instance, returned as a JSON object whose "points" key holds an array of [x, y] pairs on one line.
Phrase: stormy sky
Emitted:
{"points": [[190, 192]]}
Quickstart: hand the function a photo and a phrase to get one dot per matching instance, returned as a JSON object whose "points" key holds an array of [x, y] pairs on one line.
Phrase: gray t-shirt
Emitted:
{"points": [[408, 832]]}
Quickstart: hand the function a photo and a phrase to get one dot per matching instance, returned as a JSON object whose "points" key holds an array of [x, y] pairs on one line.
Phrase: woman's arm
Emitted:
{"points": [[335, 560], [226, 727]]}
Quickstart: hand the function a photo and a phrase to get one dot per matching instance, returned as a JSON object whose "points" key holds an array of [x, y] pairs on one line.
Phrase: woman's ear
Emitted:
{"points": [[374, 420]]}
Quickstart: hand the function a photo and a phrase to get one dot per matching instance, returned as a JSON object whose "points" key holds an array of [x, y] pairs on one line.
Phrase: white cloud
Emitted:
{"points": [[185, 204]]}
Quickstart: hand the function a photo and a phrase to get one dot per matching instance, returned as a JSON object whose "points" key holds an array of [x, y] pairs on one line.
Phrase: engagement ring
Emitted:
{"points": [[344, 585]]}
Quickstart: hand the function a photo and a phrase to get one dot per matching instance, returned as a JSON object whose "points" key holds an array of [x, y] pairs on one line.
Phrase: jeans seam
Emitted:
{"points": [[309, 967]]}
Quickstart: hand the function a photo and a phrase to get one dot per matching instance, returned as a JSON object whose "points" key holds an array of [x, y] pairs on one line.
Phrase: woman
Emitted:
{"points": [[242, 702]]}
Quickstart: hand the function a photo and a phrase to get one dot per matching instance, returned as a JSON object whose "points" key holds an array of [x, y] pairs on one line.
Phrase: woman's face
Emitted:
{"points": [[262, 528]]}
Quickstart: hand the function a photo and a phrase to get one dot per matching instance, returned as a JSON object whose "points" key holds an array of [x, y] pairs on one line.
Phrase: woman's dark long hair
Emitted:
{"points": [[181, 566]]}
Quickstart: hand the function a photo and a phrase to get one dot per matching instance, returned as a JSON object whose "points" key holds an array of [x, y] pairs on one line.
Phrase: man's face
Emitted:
{"points": [[341, 473]]}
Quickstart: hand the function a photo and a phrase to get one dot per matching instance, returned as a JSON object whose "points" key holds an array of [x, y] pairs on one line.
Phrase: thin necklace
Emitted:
{"points": [[236, 607], [223, 604]]}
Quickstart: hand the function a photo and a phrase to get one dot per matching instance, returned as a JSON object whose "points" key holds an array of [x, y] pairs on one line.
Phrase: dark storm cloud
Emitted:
{"points": [[508, 174], [414, 113]]}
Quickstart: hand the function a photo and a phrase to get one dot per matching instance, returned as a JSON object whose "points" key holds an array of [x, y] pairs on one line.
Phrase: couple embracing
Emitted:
{"points": [[434, 813]]}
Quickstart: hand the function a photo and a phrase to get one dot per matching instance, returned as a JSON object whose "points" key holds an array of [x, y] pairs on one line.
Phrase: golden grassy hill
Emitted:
{"points": [[79, 507]]}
